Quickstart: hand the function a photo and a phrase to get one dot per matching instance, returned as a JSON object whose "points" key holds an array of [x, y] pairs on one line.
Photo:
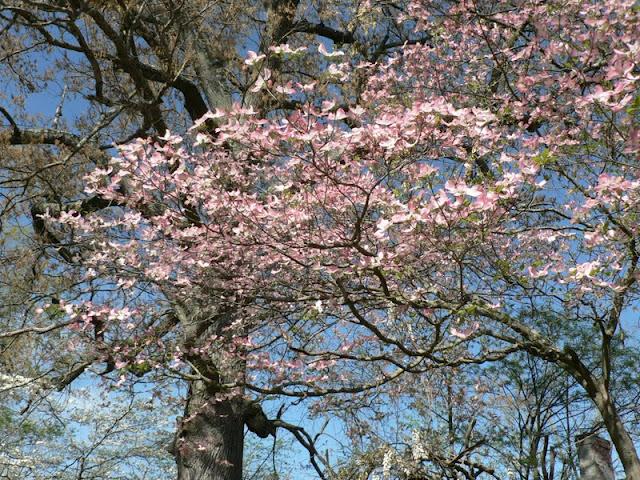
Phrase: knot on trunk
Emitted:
{"points": [[256, 420]]}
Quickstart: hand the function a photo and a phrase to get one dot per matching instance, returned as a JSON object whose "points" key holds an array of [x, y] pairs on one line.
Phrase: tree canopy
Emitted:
{"points": [[347, 209]]}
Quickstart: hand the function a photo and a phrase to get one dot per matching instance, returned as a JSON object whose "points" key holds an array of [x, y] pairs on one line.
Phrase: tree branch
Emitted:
{"points": [[335, 35]]}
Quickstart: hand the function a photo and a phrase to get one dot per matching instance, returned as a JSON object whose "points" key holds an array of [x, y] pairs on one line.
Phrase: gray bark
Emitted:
{"points": [[594, 456], [210, 439]]}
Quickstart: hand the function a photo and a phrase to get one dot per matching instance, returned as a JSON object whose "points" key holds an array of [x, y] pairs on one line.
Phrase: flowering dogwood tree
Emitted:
{"points": [[485, 180]]}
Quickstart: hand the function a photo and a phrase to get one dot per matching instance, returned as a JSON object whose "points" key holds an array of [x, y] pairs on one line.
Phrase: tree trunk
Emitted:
{"points": [[618, 433], [598, 392], [210, 439], [594, 456]]}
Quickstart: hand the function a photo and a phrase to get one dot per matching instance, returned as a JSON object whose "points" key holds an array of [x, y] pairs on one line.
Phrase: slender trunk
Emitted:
{"points": [[209, 444], [618, 433], [598, 392]]}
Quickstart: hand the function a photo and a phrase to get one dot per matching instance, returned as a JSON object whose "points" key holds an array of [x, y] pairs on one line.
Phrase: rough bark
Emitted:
{"points": [[594, 455], [210, 438]]}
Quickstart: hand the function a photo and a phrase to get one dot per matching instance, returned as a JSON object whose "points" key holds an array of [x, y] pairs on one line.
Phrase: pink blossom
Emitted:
{"points": [[585, 270], [465, 332], [538, 273], [253, 57], [323, 51]]}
